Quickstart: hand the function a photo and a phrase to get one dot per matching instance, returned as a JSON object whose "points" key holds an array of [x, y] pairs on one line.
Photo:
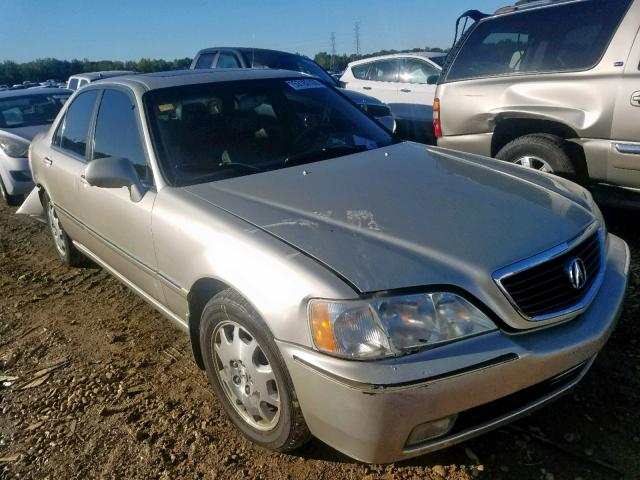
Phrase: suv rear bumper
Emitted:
{"points": [[479, 144], [367, 410]]}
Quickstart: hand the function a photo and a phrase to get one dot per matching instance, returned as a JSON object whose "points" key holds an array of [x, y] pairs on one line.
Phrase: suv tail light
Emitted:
{"points": [[437, 126]]}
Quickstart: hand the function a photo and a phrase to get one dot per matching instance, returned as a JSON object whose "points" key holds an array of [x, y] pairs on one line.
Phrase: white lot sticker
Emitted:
{"points": [[304, 84]]}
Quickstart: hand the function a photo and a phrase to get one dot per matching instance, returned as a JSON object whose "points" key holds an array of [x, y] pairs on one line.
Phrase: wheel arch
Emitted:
{"points": [[509, 127]]}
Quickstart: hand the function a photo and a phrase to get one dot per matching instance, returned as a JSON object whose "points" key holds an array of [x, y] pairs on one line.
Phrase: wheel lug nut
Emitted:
{"points": [[234, 364], [247, 390], [236, 379]]}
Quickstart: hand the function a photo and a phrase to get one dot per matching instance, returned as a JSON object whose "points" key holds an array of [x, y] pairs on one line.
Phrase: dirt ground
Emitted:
{"points": [[96, 384]]}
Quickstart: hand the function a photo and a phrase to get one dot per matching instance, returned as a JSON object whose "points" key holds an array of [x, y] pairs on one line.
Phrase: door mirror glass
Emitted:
{"points": [[433, 79], [115, 172]]}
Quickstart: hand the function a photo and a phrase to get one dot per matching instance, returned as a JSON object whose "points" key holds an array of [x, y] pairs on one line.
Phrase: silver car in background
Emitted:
{"points": [[23, 114], [387, 297]]}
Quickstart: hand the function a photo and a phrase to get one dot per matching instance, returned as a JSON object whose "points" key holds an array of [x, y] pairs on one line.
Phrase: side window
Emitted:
{"points": [[74, 129], [117, 133], [227, 60], [360, 71], [73, 83], [384, 71], [205, 60], [416, 71]]}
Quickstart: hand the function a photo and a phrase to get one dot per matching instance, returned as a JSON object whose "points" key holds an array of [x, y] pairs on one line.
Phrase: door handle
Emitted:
{"points": [[47, 161], [635, 99], [366, 88], [405, 90]]}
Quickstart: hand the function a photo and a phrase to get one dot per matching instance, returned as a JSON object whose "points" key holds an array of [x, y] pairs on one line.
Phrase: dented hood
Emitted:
{"points": [[407, 215]]}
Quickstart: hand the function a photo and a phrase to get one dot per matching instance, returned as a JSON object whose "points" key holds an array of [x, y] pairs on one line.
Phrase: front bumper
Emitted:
{"points": [[16, 186], [368, 409]]}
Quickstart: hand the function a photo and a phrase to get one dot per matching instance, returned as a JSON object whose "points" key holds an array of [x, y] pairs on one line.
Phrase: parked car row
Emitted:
{"points": [[387, 297]]}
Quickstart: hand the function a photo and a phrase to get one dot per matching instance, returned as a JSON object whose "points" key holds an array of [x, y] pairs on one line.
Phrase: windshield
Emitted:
{"points": [[28, 110], [215, 131], [285, 61]]}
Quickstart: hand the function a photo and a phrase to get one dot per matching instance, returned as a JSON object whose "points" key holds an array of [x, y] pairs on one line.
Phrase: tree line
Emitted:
{"points": [[51, 68], [338, 63]]}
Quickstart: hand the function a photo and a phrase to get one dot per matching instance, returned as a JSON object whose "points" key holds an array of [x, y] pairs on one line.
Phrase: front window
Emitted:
{"points": [[28, 110], [417, 71], [216, 131], [568, 37]]}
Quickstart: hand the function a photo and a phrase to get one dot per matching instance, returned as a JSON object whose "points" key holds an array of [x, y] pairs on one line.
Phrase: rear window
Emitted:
{"points": [[563, 38]]}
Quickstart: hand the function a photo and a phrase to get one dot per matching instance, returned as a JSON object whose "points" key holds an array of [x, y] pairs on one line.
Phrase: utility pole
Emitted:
{"points": [[333, 50], [356, 31]]}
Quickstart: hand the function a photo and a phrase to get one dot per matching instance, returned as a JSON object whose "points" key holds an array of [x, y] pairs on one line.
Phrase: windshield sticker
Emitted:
{"points": [[304, 84], [166, 107]]}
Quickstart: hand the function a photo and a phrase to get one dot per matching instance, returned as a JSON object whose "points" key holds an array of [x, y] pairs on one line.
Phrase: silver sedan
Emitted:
{"points": [[389, 298]]}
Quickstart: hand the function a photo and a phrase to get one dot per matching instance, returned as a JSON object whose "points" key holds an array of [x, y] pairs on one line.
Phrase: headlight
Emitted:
{"points": [[13, 147], [383, 327]]}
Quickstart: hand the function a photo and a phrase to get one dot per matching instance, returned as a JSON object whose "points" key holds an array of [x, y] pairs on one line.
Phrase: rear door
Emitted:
{"points": [[624, 153], [382, 80], [66, 161], [119, 229]]}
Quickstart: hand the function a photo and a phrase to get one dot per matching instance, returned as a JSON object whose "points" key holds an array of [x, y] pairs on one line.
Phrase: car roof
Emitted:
{"points": [[25, 92], [104, 74], [249, 50], [524, 5], [425, 55], [176, 78]]}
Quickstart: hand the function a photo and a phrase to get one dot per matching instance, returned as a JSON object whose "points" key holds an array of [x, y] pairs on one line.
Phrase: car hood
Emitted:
{"points": [[406, 215], [29, 132]]}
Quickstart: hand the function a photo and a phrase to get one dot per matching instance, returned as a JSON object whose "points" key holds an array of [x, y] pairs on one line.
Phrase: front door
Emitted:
{"points": [[119, 229], [624, 152]]}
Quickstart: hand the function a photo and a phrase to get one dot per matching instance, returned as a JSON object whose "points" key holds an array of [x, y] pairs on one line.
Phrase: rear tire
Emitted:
{"points": [[541, 152], [11, 200], [229, 325], [62, 244]]}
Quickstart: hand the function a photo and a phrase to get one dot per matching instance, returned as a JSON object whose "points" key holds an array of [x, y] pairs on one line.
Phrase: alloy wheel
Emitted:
{"points": [[536, 163], [56, 230], [246, 375]]}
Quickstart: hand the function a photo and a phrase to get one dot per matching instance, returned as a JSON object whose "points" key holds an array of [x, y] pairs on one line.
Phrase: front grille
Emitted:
{"points": [[378, 110], [546, 288]]}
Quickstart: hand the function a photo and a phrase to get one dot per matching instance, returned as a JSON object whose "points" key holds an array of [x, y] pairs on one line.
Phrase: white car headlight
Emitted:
{"points": [[14, 147], [383, 327]]}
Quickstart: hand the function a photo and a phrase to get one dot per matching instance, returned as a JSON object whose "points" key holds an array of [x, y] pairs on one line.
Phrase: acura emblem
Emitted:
{"points": [[577, 273]]}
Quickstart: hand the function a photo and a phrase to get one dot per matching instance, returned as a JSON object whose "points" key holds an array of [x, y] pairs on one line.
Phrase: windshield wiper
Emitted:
{"points": [[244, 166], [323, 154]]}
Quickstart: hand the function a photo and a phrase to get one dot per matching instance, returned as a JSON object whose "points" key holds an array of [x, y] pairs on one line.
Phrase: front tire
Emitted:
{"points": [[546, 153], [11, 200], [248, 375], [62, 244]]}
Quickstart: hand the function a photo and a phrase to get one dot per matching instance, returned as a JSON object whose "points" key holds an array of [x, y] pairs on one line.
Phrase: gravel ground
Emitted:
{"points": [[94, 383]]}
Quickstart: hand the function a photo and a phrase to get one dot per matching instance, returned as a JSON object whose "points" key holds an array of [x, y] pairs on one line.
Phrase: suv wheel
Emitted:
{"points": [[545, 153], [61, 241], [248, 375], [11, 200]]}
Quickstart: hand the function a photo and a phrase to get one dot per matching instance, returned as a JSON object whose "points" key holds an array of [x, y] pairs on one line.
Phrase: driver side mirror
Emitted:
{"points": [[433, 79], [114, 172]]}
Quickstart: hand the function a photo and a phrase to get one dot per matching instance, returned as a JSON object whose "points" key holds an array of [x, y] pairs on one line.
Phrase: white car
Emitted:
{"points": [[404, 81], [82, 79], [23, 114]]}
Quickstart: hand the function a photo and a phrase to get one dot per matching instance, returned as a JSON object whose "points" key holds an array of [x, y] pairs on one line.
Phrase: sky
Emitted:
{"points": [[130, 30]]}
